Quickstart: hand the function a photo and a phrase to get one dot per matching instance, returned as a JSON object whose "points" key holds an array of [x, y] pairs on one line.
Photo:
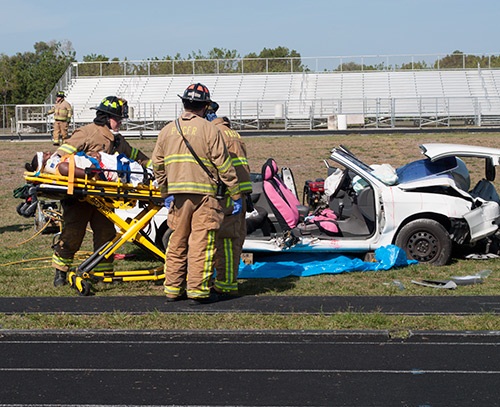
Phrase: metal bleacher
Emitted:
{"points": [[306, 99]]}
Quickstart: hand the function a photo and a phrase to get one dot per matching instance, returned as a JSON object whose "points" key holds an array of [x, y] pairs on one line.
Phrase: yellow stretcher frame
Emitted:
{"points": [[107, 196]]}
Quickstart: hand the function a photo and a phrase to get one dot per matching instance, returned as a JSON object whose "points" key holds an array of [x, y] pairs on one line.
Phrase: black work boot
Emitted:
{"points": [[60, 278], [204, 300]]}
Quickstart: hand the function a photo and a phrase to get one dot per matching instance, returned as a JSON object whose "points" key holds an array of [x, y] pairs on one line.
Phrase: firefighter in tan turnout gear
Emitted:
{"points": [[100, 136], [231, 235], [62, 112], [186, 152]]}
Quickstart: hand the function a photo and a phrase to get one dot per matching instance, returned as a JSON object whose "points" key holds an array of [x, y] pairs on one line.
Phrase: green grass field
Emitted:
{"points": [[25, 257]]}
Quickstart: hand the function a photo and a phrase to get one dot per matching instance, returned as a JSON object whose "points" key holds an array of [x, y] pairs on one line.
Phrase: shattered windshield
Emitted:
{"points": [[425, 168], [383, 172]]}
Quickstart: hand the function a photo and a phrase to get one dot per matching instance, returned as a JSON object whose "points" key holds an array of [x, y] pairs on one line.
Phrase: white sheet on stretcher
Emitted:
{"points": [[107, 161]]}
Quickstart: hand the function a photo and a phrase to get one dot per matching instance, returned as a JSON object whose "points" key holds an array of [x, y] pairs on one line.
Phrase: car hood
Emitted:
{"points": [[436, 151]]}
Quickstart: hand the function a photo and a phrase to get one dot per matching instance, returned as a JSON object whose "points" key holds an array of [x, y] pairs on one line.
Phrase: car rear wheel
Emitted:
{"points": [[163, 236], [426, 241]]}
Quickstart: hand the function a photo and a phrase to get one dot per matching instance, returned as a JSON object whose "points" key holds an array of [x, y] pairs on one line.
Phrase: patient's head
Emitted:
{"points": [[38, 161]]}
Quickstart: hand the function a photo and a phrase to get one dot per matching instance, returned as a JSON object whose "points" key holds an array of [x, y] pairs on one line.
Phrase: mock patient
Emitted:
{"points": [[109, 167]]}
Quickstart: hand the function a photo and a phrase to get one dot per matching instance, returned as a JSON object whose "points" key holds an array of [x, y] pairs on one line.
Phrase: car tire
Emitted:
{"points": [[163, 236], [426, 241]]}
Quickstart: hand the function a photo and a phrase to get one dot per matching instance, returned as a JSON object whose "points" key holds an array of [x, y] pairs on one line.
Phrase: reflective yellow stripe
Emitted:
{"points": [[198, 293], [226, 287], [228, 258], [68, 149], [190, 187], [62, 114], [229, 283], [237, 161], [245, 186], [61, 261], [103, 267], [134, 153], [209, 261], [226, 165], [173, 291], [185, 158], [234, 190], [158, 167]]}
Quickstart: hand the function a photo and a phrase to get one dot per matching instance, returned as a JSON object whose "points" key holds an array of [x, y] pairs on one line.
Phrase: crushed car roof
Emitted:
{"points": [[435, 151]]}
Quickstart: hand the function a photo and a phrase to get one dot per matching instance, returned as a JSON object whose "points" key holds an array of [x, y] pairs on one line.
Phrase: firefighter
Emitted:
{"points": [[189, 187], [62, 112], [232, 233], [100, 136]]}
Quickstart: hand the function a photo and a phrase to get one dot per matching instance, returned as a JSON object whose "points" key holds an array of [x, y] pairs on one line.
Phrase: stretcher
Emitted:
{"points": [[107, 196]]}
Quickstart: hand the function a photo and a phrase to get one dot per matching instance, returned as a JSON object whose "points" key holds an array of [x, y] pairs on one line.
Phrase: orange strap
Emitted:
{"points": [[71, 174]]}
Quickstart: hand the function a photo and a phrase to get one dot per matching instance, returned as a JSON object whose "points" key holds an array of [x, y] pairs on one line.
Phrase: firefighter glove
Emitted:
{"points": [[168, 201], [237, 206]]}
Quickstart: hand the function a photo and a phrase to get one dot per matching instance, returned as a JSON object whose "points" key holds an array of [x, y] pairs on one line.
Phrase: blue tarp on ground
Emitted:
{"points": [[304, 265]]}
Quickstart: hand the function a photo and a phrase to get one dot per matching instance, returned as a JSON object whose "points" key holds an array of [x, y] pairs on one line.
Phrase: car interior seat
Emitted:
{"points": [[283, 202], [366, 205], [484, 188], [355, 210], [258, 221]]}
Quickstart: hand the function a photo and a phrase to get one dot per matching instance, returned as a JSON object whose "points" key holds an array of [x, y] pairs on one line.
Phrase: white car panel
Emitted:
{"points": [[482, 220], [435, 151]]}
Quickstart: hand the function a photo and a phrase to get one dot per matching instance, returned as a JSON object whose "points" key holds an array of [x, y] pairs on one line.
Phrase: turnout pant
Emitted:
{"points": [[60, 131], [194, 220], [76, 216], [229, 244]]}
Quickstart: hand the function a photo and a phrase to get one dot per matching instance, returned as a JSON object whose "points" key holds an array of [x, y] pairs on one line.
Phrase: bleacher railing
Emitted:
{"points": [[286, 65]]}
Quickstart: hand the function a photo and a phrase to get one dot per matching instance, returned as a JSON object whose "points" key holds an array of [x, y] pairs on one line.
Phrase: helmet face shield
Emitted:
{"points": [[124, 108], [213, 107]]}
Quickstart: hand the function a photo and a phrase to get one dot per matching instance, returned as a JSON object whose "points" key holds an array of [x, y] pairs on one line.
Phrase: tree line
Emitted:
{"points": [[455, 60], [27, 78]]}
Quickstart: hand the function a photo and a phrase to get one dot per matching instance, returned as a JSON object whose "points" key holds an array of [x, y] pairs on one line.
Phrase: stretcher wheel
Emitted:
{"points": [[85, 290], [79, 284]]}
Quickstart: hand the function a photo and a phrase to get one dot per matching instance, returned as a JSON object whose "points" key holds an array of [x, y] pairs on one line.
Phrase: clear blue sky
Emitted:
{"points": [[157, 28]]}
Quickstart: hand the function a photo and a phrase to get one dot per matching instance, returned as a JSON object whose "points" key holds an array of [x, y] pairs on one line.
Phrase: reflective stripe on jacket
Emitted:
{"points": [[238, 152], [62, 111], [94, 139], [178, 172]]}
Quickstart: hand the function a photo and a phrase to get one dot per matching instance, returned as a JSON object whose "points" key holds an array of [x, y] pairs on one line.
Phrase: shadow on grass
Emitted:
{"points": [[266, 285], [245, 287], [15, 228]]}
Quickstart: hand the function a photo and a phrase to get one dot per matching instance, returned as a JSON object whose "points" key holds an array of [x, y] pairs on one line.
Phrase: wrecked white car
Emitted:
{"points": [[426, 207]]}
